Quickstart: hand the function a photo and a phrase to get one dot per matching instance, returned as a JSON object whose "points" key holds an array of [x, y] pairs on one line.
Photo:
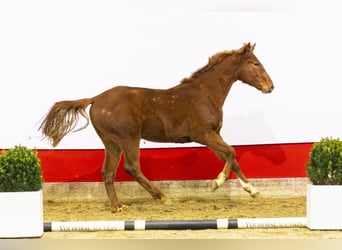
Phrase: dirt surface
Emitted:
{"points": [[181, 209]]}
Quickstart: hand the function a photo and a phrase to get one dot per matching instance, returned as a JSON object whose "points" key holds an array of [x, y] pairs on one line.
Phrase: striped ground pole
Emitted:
{"points": [[86, 226]]}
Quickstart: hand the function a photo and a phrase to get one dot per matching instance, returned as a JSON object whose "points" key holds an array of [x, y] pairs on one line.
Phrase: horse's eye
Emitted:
{"points": [[256, 64]]}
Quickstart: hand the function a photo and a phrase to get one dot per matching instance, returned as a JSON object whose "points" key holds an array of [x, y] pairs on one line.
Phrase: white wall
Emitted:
{"points": [[57, 50]]}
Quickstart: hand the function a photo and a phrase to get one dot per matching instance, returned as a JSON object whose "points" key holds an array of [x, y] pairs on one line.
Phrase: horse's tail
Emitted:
{"points": [[62, 119]]}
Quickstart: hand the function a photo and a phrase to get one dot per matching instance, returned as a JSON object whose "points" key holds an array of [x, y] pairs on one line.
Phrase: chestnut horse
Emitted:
{"points": [[188, 112]]}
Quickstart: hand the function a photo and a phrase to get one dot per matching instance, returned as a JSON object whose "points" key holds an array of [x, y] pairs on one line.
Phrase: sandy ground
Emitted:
{"points": [[195, 208]]}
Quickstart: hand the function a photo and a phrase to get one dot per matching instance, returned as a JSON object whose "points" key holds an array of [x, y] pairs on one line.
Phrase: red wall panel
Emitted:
{"points": [[196, 163]]}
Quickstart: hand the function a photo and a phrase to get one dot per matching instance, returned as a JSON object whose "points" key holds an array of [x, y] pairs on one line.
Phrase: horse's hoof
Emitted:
{"points": [[118, 208], [166, 201], [255, 194], [252, 191], [214, 185], [220, 179]]}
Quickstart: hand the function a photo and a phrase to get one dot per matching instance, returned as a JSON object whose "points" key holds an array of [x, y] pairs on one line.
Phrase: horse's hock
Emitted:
{"points": [[81, 191]]}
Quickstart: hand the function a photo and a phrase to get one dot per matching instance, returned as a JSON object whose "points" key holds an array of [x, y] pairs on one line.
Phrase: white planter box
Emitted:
{"points": [[21, 214], [324, 207]]}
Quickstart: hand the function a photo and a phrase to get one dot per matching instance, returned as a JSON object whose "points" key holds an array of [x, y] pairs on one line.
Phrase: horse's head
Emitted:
{"points": [[252, 72]]}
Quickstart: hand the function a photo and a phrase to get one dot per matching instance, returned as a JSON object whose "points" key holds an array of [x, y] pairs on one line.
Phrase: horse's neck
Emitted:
{"points": [[219, 79]]}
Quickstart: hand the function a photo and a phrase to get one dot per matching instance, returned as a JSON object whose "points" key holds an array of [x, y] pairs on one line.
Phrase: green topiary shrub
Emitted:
{"points": [[325, 165], [20, 170]]}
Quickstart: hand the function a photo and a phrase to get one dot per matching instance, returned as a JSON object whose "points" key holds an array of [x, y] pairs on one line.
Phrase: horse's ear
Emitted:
{"points": [[248, 48]]}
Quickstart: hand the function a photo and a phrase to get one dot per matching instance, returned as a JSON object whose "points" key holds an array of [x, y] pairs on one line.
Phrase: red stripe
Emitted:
{"points": [[197, 163]]}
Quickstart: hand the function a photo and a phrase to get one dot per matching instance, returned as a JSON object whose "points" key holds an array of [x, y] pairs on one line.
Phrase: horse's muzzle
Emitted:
{"points": [[268, 90]]}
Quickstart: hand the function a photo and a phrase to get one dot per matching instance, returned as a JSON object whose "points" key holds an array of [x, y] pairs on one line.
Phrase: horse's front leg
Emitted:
{"points": [[226, 153], [221, 177], [224, 175], [246, 185]]}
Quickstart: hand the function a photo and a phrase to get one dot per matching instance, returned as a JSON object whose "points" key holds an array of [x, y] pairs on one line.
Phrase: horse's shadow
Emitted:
{"points": [[251, 130]]}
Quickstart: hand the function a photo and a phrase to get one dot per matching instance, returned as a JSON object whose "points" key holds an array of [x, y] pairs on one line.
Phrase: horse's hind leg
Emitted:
{"points": [[109, 168], [132, 167]]}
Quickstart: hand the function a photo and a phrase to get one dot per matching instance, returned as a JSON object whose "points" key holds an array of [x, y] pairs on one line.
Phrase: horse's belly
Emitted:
{"points": [[168, 139], [161, 136], [161, 132]]}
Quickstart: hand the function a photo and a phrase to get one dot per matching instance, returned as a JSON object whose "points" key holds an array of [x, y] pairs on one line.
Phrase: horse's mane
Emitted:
{"points": [[213, 60]]}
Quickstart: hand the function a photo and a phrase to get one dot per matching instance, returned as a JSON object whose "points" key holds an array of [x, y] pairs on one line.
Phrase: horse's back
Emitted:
{"points": [[156, 114]]}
